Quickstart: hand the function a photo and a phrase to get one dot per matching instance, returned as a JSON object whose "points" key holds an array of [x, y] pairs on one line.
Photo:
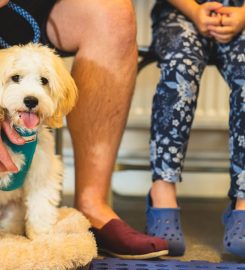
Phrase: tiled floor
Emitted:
{"points": [[201, 225], [201, 219]]}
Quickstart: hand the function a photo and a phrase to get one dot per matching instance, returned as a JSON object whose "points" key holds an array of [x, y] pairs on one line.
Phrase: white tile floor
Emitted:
{"points": [[201, 217]]}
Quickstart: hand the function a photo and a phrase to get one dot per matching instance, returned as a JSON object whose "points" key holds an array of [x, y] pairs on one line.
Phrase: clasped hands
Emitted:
{"points": [[222, 23]]}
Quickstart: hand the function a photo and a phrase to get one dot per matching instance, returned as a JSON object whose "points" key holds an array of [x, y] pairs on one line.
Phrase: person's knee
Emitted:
{"points": [[116, 22], [121, 18], [87, 24]]}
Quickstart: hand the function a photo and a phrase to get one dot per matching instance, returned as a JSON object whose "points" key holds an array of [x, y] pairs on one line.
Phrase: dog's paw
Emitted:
{"points": [[33, 233]]}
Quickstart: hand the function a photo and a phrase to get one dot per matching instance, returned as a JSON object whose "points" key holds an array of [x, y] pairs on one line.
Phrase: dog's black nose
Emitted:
{"points": [[30, 102]]}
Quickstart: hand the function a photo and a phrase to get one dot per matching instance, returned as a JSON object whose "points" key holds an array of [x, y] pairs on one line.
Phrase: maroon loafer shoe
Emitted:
{"points": [[118, 239]]}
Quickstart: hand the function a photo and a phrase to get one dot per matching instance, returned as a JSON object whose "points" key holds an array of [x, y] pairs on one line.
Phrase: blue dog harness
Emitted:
{"points": [[27, 16], [28, 150]]}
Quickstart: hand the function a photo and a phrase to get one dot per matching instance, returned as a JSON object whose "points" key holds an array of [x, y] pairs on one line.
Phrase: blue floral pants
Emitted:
{"points": [[183, 54]]}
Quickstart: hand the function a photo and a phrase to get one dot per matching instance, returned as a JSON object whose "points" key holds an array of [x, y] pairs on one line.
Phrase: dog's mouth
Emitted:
{"points": [[28, 119]]}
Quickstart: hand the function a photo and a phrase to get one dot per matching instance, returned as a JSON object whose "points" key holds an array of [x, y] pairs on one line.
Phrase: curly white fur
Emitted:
{"points": [[34, 71]]}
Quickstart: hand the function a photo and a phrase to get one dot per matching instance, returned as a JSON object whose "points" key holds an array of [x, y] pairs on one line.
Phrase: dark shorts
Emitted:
{"points": [[15, 30]]}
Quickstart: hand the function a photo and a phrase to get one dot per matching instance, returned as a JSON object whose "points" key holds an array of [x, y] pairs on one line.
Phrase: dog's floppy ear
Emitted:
{"points": [[64, 85], [6, 64], [5, 70], [2, 115]]}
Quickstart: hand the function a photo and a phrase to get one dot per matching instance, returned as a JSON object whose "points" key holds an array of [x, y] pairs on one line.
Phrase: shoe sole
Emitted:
{"points": [[170, 256], [136, 257]]}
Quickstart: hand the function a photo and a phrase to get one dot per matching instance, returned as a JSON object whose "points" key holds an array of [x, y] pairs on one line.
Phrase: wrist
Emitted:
{"points": [[193, 11], [188, 8]]}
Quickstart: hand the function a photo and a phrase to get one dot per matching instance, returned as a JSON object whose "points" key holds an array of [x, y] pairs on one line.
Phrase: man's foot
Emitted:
{"points": [[118, 239], [97, 213]]}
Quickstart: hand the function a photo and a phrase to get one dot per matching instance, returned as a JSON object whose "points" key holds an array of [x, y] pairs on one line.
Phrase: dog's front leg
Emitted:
{"points": [[41, 214], [42, 194]]}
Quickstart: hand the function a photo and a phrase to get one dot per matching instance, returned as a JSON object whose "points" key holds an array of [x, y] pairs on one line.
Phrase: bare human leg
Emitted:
{"points": [[163, 194], [103, 35]]}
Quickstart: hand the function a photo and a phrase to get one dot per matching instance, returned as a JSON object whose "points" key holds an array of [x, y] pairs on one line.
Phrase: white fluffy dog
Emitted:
{"points": [[36, 91]]}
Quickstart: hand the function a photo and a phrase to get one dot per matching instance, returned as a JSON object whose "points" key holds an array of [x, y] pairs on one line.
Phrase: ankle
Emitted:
{"points": [[240, 204], [96, 211], [163, 194]]}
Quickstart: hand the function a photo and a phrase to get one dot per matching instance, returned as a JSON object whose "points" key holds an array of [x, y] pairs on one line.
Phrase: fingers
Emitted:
{"points": [[213, 20], [12, 135], [226, 10], [222, 38], [212, 17], [221, 30], [6, 163], [212, 6], [222, 34], [226, 21]]}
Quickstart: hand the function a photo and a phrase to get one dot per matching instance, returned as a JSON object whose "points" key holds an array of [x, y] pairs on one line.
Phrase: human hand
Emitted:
{"points": [[232, 23], [204, 17], [6, 163], [3, 3]]}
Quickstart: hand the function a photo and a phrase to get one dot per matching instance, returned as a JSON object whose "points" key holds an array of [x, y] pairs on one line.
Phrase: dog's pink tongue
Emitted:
{"points": [[30, 120]]}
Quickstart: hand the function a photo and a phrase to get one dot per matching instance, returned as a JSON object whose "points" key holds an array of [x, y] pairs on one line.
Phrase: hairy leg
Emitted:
{"points": [[103, 34]]}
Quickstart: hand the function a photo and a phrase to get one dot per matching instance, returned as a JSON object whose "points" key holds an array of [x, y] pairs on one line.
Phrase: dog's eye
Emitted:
{"points": [[16, 78], [44, 80]]}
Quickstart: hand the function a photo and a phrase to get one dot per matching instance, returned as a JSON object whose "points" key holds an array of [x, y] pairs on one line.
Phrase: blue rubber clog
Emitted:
{"points": [[234, 231], [165, 223]]}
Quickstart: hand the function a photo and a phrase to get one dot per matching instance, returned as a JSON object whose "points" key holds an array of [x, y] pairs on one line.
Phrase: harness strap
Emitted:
{"points": [[27, 16]]}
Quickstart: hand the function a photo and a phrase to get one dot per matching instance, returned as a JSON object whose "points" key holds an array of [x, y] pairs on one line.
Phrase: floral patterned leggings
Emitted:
{"points": [[183, 54]]}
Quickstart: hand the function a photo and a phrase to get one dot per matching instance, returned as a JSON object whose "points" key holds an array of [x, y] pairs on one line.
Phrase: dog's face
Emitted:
{"points": [[35, 86]]}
